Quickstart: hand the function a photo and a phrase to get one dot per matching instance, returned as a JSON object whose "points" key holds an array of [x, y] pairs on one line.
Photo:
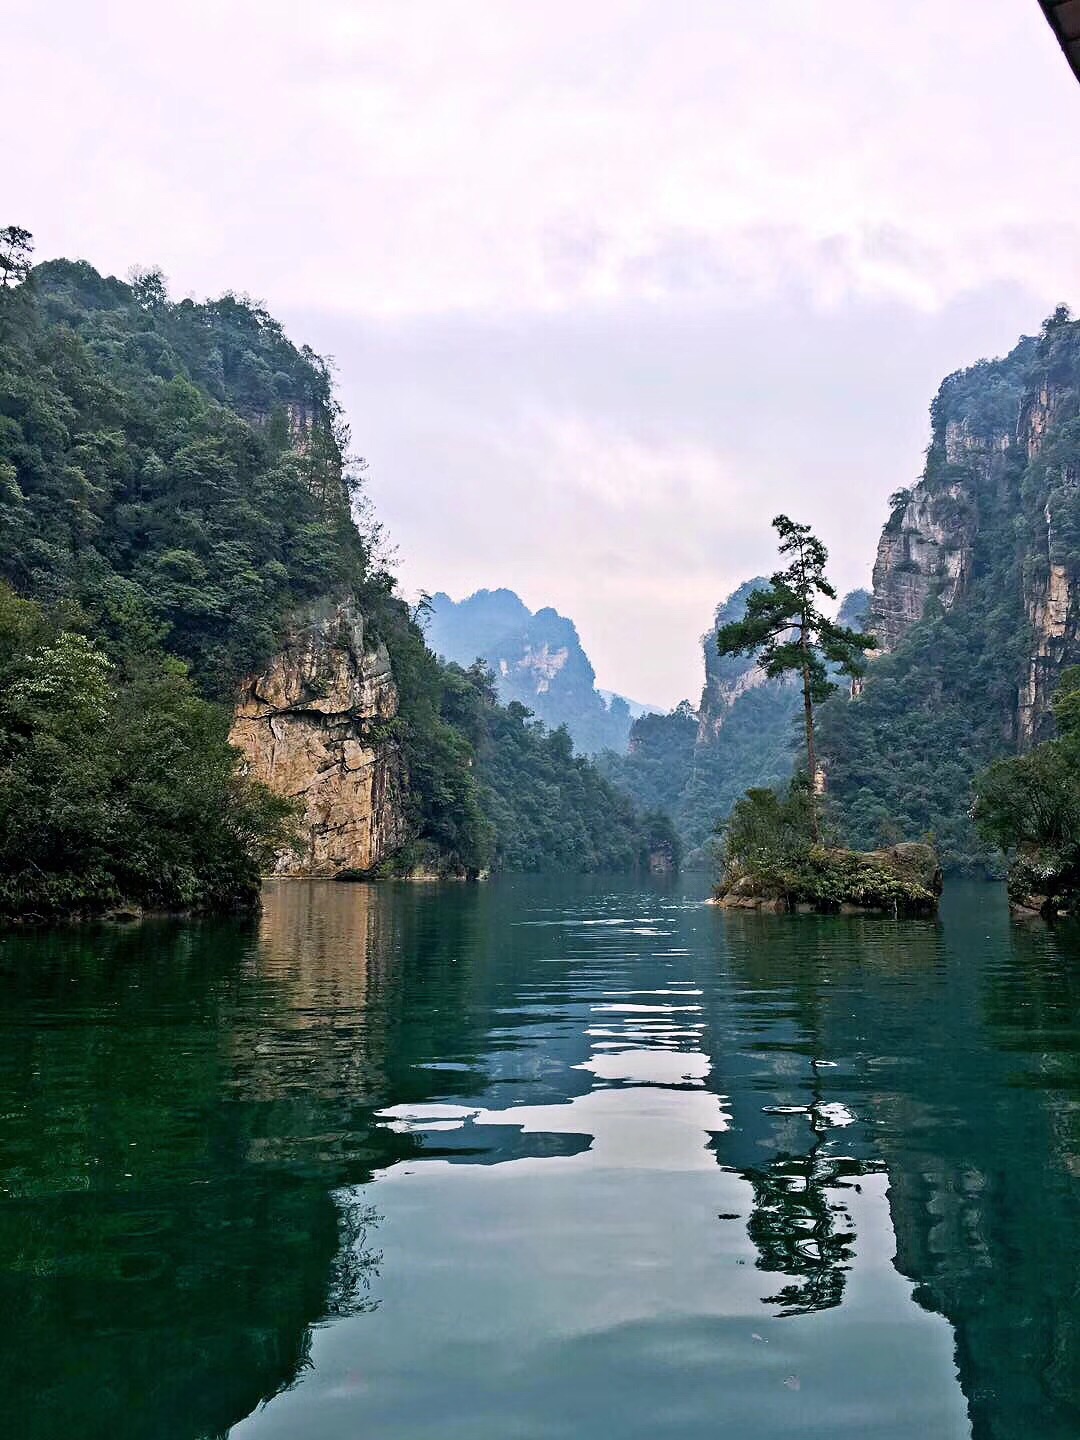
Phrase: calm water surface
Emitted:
{"points": [[536, 1159]]}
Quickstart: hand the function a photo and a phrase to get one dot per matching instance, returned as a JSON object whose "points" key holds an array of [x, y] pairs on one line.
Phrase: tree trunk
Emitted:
{"points": [[811, 750]]}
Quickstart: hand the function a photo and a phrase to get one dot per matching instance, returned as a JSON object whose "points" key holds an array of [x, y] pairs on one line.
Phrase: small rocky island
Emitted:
{"points": [[903, 880]]}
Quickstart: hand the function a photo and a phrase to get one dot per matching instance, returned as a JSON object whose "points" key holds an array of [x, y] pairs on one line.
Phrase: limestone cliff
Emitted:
{"points": [[1050, 598], [997, 492], [924, 550], [976, 600], [312, 727], [1051, 576]]}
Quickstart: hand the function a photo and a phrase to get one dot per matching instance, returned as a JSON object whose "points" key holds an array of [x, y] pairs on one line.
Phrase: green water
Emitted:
{"points": [[544, 1160]]}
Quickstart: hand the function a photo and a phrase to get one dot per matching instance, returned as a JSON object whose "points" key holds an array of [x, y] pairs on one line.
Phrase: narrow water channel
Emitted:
{"points": [[542, 1159]]}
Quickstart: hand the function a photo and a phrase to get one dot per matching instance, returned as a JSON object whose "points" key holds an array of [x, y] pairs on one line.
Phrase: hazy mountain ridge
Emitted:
{"points": [[538, 660]]}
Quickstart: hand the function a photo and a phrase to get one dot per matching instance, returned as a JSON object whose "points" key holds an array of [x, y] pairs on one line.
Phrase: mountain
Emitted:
{"points": [[976, 603], [537, 659], [203, 669], [694, 764], [636, 707]]}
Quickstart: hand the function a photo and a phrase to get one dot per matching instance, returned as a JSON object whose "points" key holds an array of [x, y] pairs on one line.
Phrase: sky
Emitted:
{"points": [[607, 283]]}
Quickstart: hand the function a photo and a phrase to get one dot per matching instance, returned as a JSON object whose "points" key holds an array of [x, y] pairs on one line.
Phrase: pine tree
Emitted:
{"points": [[791, 635]]}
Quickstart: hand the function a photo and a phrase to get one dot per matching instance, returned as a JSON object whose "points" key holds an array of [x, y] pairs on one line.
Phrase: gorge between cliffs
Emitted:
{"points": [[578, 1121]]}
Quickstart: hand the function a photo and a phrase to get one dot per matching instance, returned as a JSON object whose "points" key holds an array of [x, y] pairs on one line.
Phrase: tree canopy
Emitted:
{"points": [[1029, 806], [789, 633], [175, 480]]}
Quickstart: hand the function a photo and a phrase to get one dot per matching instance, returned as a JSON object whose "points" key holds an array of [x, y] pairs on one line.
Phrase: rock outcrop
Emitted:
{"points": [[1050, 599], [924, 550], [313, 727], [996, 458]]}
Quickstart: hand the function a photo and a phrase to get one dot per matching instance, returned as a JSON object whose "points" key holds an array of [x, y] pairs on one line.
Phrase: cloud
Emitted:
{"points": [[623, 462], [607, 283]]}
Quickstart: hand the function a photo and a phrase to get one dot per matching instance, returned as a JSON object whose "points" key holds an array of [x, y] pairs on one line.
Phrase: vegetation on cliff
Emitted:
{"points": [[1029, 806], [174, 483], [974, 594], [117, 787], [539, 805]]}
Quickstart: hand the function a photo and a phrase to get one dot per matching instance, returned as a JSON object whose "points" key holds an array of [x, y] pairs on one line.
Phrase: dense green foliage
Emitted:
{"points": [[1030, 805], [118, 787], [696, 781], [174, 482], [174, 470], [541, 807], [773, 850], [902, 759], [156, 510], [661, 753]]}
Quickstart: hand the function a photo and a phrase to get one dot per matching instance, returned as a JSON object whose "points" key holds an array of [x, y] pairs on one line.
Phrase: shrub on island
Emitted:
{"points": [[771, 861]]}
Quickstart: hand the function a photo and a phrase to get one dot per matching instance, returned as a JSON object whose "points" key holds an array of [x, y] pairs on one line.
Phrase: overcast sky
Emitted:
{"points": [[607, 282]]}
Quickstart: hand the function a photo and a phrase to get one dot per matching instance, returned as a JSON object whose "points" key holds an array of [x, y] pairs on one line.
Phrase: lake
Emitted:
{"points": [[548, 1159]]}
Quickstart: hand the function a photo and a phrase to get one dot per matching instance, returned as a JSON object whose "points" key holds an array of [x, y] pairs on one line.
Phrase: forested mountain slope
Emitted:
{"points": [[975, 602], [177, 520]]}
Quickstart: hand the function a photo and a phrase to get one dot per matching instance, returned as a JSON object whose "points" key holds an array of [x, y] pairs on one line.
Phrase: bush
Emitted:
{"points": [[769, 855], [1029, 806], [118, 789]]}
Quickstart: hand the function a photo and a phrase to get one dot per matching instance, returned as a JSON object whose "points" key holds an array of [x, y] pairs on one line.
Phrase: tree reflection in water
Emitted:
{"points": [[190, 1114], [801, 1231]]}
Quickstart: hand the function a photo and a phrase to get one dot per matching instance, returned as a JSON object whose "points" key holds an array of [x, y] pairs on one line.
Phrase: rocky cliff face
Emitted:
{"points": [[924, 550], [1051, 578], [998, 492], [1050, 599], [311, 728], [727, 677]]}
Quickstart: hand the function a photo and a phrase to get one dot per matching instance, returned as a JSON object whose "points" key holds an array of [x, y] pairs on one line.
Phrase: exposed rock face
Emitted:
{"points": [[927, 547], [1051, 604], [1051, 598], [729, 677], [1043, 407], [924, 549], [997, 433], [309, 729]]}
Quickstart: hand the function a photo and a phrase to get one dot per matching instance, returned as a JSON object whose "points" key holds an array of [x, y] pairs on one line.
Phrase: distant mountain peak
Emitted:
{"points": [[537, 658]]}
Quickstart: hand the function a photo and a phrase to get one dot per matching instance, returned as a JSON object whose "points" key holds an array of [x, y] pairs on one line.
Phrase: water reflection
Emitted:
{"points": [[400, 1156], [155, 1281]]}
